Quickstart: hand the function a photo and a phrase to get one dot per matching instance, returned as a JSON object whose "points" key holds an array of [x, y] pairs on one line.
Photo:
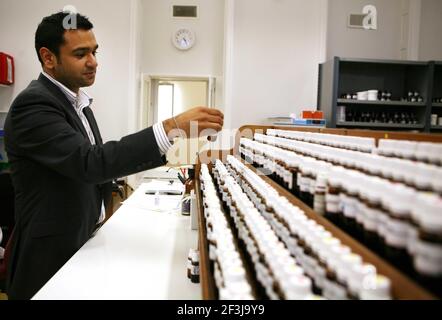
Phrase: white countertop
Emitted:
{"points": [[139, 253]]}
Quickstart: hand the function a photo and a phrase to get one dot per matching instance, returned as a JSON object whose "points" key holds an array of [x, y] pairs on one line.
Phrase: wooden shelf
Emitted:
{"points": [[380, 125], [403, 288], [382, 103], [207, 279], [436, 127], [437, 105], [208, 286]]}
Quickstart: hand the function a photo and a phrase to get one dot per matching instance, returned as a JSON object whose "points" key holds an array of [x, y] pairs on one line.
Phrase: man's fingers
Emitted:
{"points": [[211, 125], [215, 112], [215, 119]]}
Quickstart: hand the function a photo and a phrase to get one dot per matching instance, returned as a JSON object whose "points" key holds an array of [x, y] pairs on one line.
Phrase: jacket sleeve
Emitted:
{"points": [[39, 130]]}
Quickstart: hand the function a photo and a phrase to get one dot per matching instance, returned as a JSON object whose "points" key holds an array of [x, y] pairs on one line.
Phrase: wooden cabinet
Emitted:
{"points": [[403, 285]]}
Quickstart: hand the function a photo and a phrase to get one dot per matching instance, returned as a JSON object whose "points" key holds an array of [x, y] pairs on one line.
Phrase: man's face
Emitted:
{"points": [[76, 65]]}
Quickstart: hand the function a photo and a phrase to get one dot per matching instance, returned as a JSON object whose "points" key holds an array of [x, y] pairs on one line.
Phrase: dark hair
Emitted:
{"points": [[50, 31]]}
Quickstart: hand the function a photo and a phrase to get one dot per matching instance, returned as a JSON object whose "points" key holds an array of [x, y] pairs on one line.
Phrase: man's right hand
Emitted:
{"points": [[206, 118]]}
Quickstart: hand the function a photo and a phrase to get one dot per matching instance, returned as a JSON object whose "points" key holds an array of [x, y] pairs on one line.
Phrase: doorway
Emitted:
{"points": [[165, 97]]}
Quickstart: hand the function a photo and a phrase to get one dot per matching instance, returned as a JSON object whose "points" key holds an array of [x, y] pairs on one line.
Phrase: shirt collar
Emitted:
{"points": [[78, 102]]}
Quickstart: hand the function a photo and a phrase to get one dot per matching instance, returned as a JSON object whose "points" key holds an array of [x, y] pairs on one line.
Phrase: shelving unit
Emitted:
{"points": [[436, 108], [403, 286], [341, 76]]}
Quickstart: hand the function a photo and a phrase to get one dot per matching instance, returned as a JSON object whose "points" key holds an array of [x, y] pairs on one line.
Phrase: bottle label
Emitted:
{"points": [[413, 235], [319, 204], [332, 203], [290, 179], [350, 207]]}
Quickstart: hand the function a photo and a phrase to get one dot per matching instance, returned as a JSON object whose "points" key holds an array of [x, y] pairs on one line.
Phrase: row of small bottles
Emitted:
{"points": [[276, 270], [337, 273], [313, 179], [399, 223], [362, 144], [427, 152], [420, 176], [384, 117], [229, 272], [386, 96]]}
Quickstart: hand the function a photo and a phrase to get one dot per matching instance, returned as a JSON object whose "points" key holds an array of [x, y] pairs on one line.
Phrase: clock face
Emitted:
{"points": [[183, 39]]}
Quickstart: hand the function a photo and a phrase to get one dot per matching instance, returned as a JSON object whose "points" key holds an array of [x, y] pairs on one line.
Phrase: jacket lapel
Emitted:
{"points": [[93, 124], [64, 102]]}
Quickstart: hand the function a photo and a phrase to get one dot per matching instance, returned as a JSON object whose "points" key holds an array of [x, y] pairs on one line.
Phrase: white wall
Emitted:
{"points": [[273, 59], [430, 32], [160, 57], [112, 25], [383, 43]]}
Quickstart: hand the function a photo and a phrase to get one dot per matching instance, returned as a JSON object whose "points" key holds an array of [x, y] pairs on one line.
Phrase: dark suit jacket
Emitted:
{"points": [[60, 180]]}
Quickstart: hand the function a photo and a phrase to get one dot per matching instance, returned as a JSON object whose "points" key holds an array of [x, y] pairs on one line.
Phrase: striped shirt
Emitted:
{"points": [[83, 100]]}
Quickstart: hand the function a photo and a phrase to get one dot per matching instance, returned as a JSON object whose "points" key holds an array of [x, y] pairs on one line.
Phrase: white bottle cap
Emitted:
{"points": [[297, 287], [427, 266], [401, 200], [361, 277], [379, 288], [234, 273], [386, 147], [427, 212]]}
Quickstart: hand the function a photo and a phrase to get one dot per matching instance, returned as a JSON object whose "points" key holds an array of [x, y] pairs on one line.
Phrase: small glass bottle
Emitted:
{"points": [[428, 248], [332, 197], [195, 271], [320, 192], [398, 203]]}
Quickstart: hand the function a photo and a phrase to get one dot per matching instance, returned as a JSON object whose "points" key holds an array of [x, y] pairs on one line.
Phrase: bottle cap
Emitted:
{"points": [[423, 175], [424, 151], [361, 277], [427, 266], [386, 147], [400, 200], [436, 180], [297, 287], [379, 288]]}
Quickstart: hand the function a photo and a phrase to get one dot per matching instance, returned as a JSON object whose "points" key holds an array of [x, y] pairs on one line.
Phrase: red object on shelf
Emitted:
{"points": [[6, 69], [312, 114], [307, 114], [318, 115]]}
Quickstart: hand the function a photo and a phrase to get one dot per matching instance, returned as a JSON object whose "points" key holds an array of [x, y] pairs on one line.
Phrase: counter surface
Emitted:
{"points": [[139, 253]]}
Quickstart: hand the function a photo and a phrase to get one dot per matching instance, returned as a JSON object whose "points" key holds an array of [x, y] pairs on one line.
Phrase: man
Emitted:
{"points": [[60, 168]]}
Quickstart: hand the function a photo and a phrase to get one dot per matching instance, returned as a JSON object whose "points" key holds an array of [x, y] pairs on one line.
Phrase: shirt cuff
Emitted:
{"points": [[161, 138]]}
